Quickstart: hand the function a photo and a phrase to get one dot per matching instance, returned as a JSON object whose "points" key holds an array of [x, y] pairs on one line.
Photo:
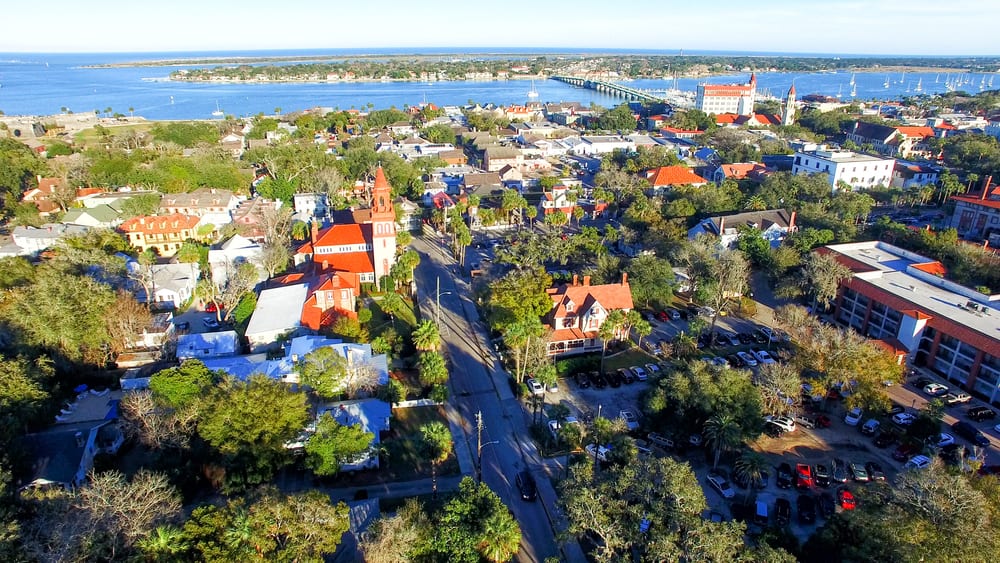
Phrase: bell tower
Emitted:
{"points": [[788, 112], [383, 227]]}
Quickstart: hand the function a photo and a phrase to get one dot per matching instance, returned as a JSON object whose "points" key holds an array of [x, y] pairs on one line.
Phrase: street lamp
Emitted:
{"points": [[479, 446], [437, 310]]}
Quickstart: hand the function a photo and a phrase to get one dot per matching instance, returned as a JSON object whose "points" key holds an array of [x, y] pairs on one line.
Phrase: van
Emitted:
{"points": [[760, 516], [870, 427]]}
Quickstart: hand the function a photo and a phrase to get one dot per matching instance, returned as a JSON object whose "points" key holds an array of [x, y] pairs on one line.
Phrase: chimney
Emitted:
{"points": [[722, 225], [986, 186], [586, 281], [325, 264], [624, 278], [576, 280], [314, 233], [791, 222]]}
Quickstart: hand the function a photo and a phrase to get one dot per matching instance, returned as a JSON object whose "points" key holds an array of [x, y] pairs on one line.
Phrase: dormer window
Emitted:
{"points": [[569, 306]]}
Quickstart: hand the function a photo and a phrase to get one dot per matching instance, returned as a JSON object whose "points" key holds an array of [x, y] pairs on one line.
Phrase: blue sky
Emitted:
{"points": [[919, 27]]}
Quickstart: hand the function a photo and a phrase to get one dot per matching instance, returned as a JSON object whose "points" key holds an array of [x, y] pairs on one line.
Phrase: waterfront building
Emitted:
{"points": [[727, 98], [860, 171]]}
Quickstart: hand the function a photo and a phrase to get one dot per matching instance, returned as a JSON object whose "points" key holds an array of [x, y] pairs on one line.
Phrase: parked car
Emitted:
{"points": [[971, 433], [745, 337], [211, 323], [535, 386], [904, 418], [526, 484], [803, 476], [838, 471], [720, 484], [748, 360], [922, 382], [782, 511], [663, 316], [555, 425], [211, 307], [941, 440], [805, 420], [760, 514], [660, 440], [980, 414], [625, 376], [582, 381], [742, 480], [598, 452], [785, 423], [735, 361], [935, 389], [762, 356], [875, 471], [858, 472], [639, 373], [652, 369], [597, 380], [552, 387], [957, 398], [894, 410], [827, 506], [631, 421], [853, 416], [905, 451], [614, 379], [885, 439], [784, 477], [806, 507], [731, 339], [846, 499], [918, 462], [870, 427], [822, 475]]}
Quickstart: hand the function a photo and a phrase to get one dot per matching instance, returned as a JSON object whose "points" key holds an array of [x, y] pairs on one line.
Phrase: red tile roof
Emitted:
{"points": [[611, 296], [740, 170], [565, 334], [160, 224], [354, 262], [338, 235], [991, 203], [916, 131], [673, 176]]}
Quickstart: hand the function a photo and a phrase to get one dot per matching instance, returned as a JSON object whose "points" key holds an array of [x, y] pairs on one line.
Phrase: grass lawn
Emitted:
{"points": [[406, 460], [92, 136], [628, 358], [406, 320]]}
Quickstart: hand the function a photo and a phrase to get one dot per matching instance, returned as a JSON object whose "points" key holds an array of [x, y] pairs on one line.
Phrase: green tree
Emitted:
{"points": [[248, 423], [324, 371], [821, 277], [723, 434], [609, 330], [651, 279], [426, 337], [24, 388], [475, 524], [750, 467], [334, 444], [182, 386], [433, 369]]}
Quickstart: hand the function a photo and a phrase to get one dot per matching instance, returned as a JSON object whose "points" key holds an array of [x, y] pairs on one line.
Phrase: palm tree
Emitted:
{"points": [[723, 433], [750, 468], [755, 203], [608, 330], [501, 537], [391, 304], [426, 337], [437, 445], [165, 543]]}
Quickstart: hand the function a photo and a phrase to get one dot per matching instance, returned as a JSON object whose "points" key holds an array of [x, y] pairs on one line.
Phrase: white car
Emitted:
{"points": [[853, 417], [785, 423], [554, 425], [535, 387], [918, 462], [552, 387], [941, 440], [747, 359], [957, 398], [631, 421], [762, 356], [639, 373], [598, 452], [935, 389], [904, 418], [720, 484], [660, 440]]}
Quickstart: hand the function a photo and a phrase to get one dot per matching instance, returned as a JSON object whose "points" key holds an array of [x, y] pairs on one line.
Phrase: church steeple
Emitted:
{"points": [[788, 111], [381, 195], [383, 227]]}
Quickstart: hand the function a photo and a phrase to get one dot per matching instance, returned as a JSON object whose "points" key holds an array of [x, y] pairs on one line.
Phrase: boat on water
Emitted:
{"points": [[854, 90], [852, 79], [920, 86], [886, 83], [839, 91], [902, 77], [936, 77], [218, 111], [532, 93]]}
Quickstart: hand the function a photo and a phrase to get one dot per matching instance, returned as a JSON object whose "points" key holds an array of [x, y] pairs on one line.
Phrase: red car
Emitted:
{"points": [[211, 308], [846, 499], [804, 476], [662, 315], [905, 451], [822, 421]]}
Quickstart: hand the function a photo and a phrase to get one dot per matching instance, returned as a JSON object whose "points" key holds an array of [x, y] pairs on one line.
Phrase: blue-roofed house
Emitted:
{"points": [[372, 415], [207, 345]]}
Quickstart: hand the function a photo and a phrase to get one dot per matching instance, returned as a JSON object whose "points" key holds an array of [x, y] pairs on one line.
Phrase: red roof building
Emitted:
{"points": [[977, 216], [579, 310], [41, 197], [165, 233], [672, 176], [727, 98]]}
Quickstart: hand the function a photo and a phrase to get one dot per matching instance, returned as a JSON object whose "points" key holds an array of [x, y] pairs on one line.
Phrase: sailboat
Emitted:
{"points": [[886, 83], [902, 77], [854, 90], [990, 83], [920, 86], [852, 79], [218, 111], [839, 89], [532, 93], [936, 77]]}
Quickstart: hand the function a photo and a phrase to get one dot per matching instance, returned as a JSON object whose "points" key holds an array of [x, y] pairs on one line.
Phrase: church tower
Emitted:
{"points": [[788, 112], [383, 227]]}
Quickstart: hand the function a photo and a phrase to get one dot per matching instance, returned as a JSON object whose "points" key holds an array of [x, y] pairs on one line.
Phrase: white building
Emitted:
{"points": [[310, 205], [727, 98], [278, 314], [860, 171], [207, 345]]}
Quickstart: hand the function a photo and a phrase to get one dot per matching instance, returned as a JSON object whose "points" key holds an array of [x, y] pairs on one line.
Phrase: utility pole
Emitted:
{"points": [[437, 310], [479, 446]]}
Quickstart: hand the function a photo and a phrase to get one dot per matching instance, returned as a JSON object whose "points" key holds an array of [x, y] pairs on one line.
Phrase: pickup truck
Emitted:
{"points": [[957, 398]]}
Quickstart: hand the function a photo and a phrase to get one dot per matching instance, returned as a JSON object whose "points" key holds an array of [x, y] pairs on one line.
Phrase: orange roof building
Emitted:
{"points": [[727, 98], [579, 311], [671, 176], [41, 196], [165, 233]]}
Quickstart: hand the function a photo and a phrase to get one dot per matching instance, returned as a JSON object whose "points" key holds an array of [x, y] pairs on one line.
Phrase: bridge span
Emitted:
{"points": [[610, 88]]}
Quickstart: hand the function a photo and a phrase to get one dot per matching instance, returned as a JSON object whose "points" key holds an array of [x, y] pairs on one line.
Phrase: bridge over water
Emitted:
{"points": [[610, 88]]}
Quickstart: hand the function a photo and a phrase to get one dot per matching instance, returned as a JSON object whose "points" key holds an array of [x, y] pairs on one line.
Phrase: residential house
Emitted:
{"points": [[329, 295], [42, 196], [249, 215], [676, 133], [496, 157], [908, 303], [773, 224], [977, 215], [373, 415], [737, 171], [454, 157], [172, 284], [278, 314], [101, 217], [206, 345], [590, 145], [113, 199], [579, 311], [906, 174], [234, 143], [363, 245], [211, 205], [30, 241], [859, 171], [310, 205], [230, 254], [409, 214], [156, 333], [165, 233], [668, 177], [401, 128], [903, 141], [559, 198]]}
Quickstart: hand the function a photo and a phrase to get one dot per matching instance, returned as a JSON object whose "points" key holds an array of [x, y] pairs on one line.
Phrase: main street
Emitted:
{"points": [[479, 384]]}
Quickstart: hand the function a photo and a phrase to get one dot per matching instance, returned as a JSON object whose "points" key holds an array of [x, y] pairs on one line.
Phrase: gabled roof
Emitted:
{"points": [[353, 262], [922, 132], [740, 170], [338, 235], [160, 224], [874, 131], [611, 296], [763, 220], [673, 176]]}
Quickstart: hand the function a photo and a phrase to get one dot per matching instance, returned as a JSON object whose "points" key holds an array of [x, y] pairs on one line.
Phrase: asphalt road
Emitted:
{"points": [[479, 384]]}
